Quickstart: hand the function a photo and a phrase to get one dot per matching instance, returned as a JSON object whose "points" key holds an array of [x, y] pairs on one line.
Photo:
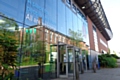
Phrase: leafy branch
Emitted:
{"points": [[8, 48], [76, 37]]}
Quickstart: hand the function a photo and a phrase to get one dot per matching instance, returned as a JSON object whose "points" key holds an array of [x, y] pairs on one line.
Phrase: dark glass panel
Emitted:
{"points": [[79, 13], [74, 7], [68, 2]]}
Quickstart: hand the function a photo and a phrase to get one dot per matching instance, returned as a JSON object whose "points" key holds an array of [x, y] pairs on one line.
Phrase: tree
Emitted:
{"points": [[76, 37], [33, 47], [8, 48]]}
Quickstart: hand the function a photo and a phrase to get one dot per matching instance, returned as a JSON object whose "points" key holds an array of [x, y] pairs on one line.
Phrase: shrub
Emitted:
{"points": [[106, 60], [111, 62], [26, 59]]}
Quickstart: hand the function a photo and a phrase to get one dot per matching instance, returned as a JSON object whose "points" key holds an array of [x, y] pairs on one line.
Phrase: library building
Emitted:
{"points": [[48, 39]]}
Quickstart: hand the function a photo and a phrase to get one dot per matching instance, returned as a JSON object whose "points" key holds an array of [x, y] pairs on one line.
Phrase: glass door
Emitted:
{"points": [[62, 61], [70, 61]]}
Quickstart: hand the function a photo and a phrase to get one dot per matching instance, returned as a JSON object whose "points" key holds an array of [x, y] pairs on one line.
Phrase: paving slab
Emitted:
{"points": [[102, 74]]}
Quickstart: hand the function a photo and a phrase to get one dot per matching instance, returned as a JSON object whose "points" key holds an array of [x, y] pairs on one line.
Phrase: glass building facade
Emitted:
{"points": [[19, 23]]}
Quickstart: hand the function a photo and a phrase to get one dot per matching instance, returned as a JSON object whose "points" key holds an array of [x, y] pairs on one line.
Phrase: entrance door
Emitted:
{"points": [[70, 52], [66, 61], [73, 61], [77, 63], [62, 65]]}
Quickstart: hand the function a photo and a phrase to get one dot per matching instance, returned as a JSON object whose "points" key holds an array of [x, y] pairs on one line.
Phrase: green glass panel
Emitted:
{"points": [[30, 31], [34, 30], [26, 30]]}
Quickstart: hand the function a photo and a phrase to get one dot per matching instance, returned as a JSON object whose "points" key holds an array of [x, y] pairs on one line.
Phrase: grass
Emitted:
{"points": [[47, 66]]}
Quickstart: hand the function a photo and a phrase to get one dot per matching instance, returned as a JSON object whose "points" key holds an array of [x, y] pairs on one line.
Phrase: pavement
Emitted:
{"points": [[102, 74]]}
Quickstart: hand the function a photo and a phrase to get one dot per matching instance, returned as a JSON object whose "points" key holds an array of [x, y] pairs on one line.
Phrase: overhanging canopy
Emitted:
{"points": [[94, 10]]}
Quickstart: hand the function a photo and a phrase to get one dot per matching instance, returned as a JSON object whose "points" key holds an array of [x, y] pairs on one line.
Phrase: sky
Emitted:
{"points": [[112, 11]]}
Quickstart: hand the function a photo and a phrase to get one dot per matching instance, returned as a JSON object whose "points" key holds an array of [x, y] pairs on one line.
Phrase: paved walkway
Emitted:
{"points": [[102, 74]]}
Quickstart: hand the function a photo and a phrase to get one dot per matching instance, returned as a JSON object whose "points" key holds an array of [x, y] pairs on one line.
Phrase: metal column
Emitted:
{"points": [[58, 71]]}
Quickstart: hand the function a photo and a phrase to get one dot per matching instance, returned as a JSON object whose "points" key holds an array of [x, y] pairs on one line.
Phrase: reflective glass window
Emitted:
{"points": [[46, 34], [55, 38], [51, 36], [74, 20], [13, 9], [10, 43], [50, 13], [79, 13], [61, 17], [74, 7], [94, 28], [95, 38], [68, 2], [83, 27], [79, 24], [34, 11], [69, 20]]}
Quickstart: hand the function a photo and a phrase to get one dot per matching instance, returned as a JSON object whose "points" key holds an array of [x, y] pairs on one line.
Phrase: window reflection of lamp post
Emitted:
{"points": [[39, 63], [89, 56], [40, 21], [21, 47]]}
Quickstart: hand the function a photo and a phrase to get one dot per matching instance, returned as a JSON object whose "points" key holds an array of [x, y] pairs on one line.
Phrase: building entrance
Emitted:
{"points": [[67, 60]]}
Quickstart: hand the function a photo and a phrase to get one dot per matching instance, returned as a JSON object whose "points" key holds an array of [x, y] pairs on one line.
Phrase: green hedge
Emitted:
{"points": [[107, 60]]}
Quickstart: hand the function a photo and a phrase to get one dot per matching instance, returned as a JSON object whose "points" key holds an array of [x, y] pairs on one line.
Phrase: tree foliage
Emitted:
{"points": [[107, 60], [33, 47], [8, 48], [76, 37]]}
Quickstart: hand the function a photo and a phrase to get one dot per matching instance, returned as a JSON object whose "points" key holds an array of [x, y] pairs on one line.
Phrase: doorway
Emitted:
{"points": [[67, 60], [62, 59]]}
